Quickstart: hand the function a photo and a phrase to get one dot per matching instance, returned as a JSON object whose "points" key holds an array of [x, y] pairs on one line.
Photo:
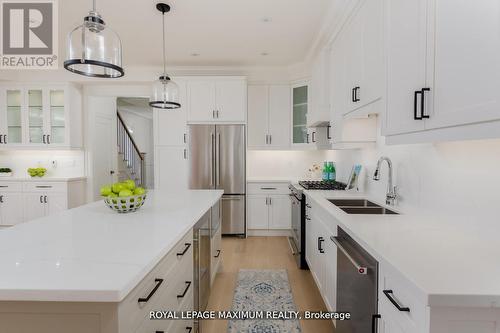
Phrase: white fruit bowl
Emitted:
{"points": [[126, 204]]}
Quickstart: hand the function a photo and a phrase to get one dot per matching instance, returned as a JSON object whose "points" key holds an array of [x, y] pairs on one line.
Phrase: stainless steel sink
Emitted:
{"points": [[361, 206], [353, 203], [369, 210]]}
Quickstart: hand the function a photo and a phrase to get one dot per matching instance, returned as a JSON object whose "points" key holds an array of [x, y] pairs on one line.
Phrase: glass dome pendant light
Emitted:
{"points": [[165, 92], [94, 49]]}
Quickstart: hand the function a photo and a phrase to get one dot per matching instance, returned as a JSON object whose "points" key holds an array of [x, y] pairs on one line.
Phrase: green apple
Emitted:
{"points": [[112, 195], [129, 184], [106, 190], [125, 193], [117, 187], [139, 191]]}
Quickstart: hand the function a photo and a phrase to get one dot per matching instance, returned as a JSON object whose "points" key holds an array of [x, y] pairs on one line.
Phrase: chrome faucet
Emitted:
{"points": [[391, 195]]}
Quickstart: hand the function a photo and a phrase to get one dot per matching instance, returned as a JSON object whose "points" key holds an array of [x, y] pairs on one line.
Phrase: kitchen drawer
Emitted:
{"points": [[10, 186], [46, 187], [216, 255], [268, 188], [405, 294], [174, 270]]}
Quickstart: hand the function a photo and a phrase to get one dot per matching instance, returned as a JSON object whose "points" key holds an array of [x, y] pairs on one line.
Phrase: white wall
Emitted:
{"points": [[451, 178], [68, 163], [292, 165]]}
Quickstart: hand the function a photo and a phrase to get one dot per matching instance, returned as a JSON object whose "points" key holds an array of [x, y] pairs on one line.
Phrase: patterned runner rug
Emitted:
{"points": [[263, 290]]}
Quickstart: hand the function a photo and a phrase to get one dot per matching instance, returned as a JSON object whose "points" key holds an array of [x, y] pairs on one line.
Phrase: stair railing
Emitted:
{"points": [[132, 156]]}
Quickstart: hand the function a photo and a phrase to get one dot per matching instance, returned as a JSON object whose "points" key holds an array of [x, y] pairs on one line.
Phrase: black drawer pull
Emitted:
{"points": [[268, 188], [188, 284], [388, 294], [44, 199], [218, 254], [356, 99], [422, 103], [41, 199], [1, 198], [320, 241], [4, 186], [44, 186], [188, 245], [158, 284], [189, 329], [159, 331], [328, 132]]}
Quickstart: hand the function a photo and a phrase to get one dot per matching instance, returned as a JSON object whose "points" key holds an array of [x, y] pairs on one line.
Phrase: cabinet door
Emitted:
{"points": [[258, 112], [373, 52], [405, 31], [354, 65], [231, 100], [320, 102], [56, 202], [57, 118], [310, 249], [170, 126], [337, 89], [11, 212], [279, 116], [330, 269], [34, 206], [280, 213], [171, 168], [201, 100], [463, 60], [14, 130], [258, 212], [300, 102], [35, 101]]}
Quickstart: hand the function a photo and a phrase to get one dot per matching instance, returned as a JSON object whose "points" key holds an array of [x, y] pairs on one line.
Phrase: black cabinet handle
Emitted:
{"points": [[356, 99], [158, 283], [1, 198], [188, 245], [44, 199], [268, 188], [352, 95], [313, 136], [41, 199], [189, 329], [44, 139], [218, 254], [422, 103], [48, 139], [188, 284], [328, 132], [5, 139], [374, 322], [388, 294], [1, 139], [43, 186], [320, 241], [307, 138]]}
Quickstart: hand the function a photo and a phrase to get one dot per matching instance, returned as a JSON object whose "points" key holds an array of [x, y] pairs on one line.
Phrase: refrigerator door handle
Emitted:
{"points": [[218, 144], [212, 159]]}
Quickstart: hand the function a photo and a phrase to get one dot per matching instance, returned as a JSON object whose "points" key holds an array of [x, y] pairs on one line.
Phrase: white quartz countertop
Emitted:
{"points": [[451, 260], [93, 254], [41, 179]]}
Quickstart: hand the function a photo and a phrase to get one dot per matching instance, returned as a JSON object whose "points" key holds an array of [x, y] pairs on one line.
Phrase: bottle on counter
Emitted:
{"points": [[325, 171], [332, 171]]}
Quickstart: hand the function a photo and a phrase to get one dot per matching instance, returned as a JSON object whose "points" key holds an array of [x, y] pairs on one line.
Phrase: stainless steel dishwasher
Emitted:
{"points": [[357, 281], [201, 272]]}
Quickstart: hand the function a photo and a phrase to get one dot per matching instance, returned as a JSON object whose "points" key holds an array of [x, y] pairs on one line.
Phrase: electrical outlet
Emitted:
{"points": [[54, 164]]}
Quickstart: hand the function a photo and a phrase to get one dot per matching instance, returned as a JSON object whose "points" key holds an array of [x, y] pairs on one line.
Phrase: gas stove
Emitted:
{"points": [[323, 185]]}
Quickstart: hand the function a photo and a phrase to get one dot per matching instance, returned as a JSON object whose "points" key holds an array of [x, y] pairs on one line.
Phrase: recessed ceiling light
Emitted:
{"points": [[195, 54], [266, 19], [264, 54]]}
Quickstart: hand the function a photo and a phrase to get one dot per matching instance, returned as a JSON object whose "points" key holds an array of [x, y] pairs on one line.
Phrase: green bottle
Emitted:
{"points": [[332, 172], [325, 171]]}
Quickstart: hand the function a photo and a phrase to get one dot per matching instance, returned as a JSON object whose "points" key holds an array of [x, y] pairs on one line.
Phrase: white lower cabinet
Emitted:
{"points": [[26, 201], [321, 254], [269, 207], [11, 212]]}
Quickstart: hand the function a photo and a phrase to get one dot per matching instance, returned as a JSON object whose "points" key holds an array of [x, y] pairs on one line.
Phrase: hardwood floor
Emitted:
{"points": [[263, 253]]}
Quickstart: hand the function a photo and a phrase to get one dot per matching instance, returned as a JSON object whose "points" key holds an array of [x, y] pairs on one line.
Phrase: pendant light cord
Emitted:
{"points": [[94, 6], [164, 54]]}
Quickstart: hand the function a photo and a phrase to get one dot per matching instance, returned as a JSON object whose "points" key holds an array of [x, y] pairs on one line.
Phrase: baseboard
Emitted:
{"points": [[269, 233]]}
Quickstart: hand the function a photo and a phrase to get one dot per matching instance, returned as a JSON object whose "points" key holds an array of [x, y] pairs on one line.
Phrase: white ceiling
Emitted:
{"points": [[222, 32]]}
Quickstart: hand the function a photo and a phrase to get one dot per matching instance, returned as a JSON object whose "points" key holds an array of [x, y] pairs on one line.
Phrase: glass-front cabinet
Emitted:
{"points": [[40, 116], [300, 103]]}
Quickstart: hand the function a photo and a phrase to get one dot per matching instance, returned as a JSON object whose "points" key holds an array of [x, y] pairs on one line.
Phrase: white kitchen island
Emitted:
{"points": [[84, 269]]}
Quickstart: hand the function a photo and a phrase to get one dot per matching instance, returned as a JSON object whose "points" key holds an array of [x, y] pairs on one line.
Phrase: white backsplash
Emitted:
{"points": [[282, 164], [450, 178], [67, 163]]}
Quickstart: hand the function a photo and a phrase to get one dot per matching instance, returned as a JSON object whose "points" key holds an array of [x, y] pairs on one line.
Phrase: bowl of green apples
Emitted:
{"points": [[124, 197], [37, 172]]}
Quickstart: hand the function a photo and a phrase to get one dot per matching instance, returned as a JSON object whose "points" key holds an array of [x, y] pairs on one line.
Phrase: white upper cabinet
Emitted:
{"points": [[443, 69], [170, 125], [319, 112], [361, 57], [299, 110], [217, 99], [42, 116], [269, 117]]}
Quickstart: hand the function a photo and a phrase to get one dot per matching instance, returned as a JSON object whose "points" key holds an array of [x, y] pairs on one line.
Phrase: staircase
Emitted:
{"points": [[131, 161]]}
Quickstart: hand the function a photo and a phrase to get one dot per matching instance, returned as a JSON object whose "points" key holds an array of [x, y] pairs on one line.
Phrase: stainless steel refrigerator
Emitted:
{"points": [[217, 161]]}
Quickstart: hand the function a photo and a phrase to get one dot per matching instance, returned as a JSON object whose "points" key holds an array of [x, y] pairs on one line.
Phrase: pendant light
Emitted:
{"points": [[94, 49], [165, 92]]}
